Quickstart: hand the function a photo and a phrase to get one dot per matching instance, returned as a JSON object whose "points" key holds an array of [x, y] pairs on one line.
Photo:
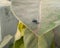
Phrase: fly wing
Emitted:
{"points": [[27, 11]]}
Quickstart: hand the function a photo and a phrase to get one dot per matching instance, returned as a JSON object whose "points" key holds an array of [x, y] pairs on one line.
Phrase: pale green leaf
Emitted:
{"points": [[33, 41]]}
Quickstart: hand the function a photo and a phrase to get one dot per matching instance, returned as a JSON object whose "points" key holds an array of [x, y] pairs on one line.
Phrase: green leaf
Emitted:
{"points": [[33, 41], [18, 44]]}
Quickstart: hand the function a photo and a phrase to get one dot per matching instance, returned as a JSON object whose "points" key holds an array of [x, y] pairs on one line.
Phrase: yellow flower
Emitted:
{"points": [[21, 28]]}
